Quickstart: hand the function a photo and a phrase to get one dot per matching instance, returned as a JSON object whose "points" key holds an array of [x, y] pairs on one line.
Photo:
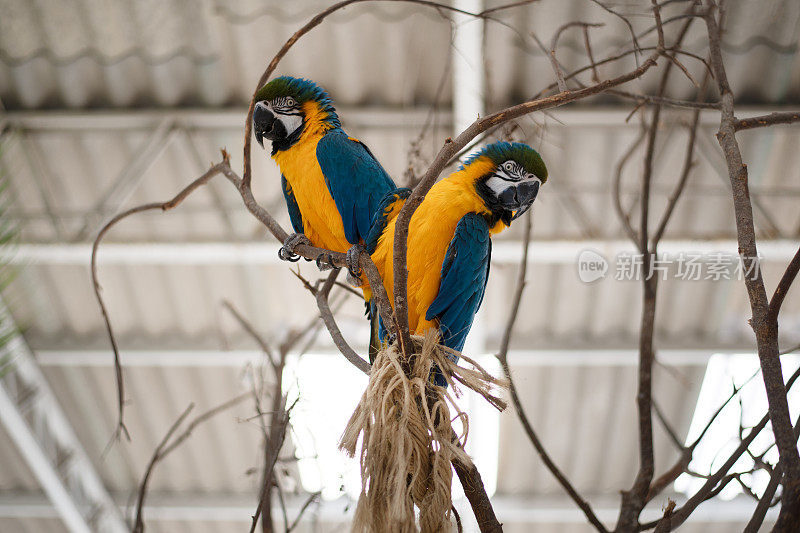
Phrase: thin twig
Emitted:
{"points": [[784, 284], [502, 356], [282, 502], [506, 6], [163, 206], [138, 525], [679, 187], [673, 435], [562, 84], [765, 502], [712, 482], [588, 45], [313, 497], [787, 117], [165, 447], [637, 49], [248, 327], [617, 191]]}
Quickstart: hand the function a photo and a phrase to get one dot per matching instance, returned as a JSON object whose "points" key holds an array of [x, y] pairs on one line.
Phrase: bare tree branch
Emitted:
{"points": [[502, 356], [787, 117], [634, 500], [165, 447], [163, 206], [766, 330], [617, 192], [624, 19], [450, 148], [279, 420], [713, 481], [321, 297], [138, 525], [784, 284], [765, 502], [562, 84], [313, 497], [688, 163]]}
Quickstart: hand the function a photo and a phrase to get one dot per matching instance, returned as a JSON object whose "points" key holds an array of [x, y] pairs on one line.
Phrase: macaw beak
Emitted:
{"points": [[519, 198], [526, 191], [263, 123]]}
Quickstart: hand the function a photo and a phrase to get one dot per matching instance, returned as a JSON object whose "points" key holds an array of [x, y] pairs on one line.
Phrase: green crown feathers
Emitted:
{"points": [[301, 90], [523, 154]]}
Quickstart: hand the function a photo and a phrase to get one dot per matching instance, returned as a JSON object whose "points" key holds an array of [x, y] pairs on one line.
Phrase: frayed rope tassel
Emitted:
{"points": [[408, 439]]}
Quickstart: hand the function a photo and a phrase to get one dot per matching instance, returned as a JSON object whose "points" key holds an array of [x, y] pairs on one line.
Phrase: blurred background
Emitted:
{"points": [[109, 104]]}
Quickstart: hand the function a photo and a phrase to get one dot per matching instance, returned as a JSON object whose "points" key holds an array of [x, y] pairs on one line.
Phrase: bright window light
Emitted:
{"points": [[724, 371], [329, 390]]}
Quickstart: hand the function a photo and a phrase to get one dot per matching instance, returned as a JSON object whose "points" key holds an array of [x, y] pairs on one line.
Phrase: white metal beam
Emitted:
{"points": [[205, 119], [361, 117], [128, 180], [469, 73], [219, 253], [239, 358], [30, 413], [210, 508]]}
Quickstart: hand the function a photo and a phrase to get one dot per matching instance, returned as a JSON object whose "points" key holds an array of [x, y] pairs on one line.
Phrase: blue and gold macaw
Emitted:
{"points": [[449, 244], [332, 183]]}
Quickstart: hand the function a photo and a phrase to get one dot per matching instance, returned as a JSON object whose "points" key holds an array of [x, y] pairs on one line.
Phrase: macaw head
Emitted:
{"points": [[286, 106], [515, 173]]}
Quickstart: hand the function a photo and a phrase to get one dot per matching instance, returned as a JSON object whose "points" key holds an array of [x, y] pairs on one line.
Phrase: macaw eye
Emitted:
{"points": [[290, 101], [508, 165]]}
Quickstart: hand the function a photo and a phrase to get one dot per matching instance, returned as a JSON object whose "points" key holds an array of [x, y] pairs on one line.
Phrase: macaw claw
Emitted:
{"points": [[286, 252], [352, 257], [324, 262]]}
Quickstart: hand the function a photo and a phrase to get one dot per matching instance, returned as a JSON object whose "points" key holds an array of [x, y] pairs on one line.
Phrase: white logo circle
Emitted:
{"points": [[591, 266]]}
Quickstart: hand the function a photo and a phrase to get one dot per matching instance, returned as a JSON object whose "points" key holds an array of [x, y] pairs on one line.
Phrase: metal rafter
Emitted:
{"points": [[42, 178], [609, 352], [516, 511], [712, 154], [129, 179], [504, 251], [31, 415]]}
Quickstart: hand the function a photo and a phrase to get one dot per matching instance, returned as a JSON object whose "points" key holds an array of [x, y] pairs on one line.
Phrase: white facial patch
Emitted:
{"points": [[290, 122], [497, 184], [289, 117]]}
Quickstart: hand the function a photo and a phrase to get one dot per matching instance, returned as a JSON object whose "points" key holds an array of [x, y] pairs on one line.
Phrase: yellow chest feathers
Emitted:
{"points": [[322, 223], [431, 230]]}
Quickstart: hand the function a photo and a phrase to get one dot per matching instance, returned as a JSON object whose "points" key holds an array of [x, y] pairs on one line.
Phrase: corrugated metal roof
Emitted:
{"points": [[60, 179], [585, 410], [84, 54]]}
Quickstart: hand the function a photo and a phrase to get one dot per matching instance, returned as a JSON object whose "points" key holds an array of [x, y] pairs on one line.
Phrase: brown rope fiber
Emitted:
{"points": [[408, 443]]}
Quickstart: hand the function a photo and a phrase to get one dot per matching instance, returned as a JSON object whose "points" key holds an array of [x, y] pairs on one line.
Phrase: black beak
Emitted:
{"points": [[263, 123], [519, 198]]}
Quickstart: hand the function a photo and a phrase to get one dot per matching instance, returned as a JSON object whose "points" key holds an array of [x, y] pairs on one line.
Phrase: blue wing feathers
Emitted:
{"points": [[381, 217], [464, 274], [355, 179], [291, 204]]}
